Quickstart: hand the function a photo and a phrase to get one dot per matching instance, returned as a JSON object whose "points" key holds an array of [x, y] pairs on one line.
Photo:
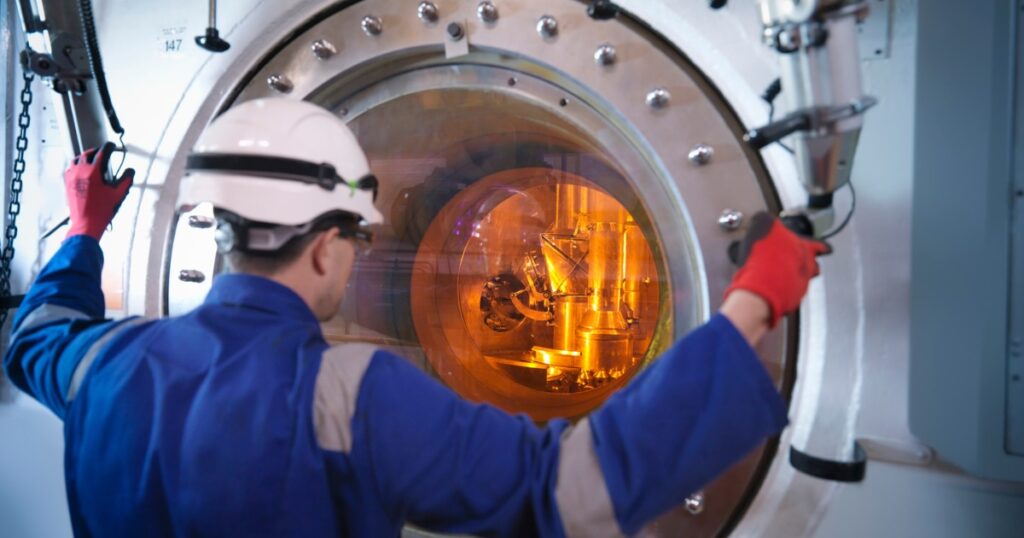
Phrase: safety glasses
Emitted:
{"points": [[361, 239]]}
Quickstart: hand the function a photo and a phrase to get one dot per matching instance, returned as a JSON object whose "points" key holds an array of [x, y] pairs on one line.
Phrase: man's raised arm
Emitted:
{"points": [[62, 317]]}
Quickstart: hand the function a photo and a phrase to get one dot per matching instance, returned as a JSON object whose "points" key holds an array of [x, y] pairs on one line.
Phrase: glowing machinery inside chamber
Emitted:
{"points": [[518, 263], [553, 278]]}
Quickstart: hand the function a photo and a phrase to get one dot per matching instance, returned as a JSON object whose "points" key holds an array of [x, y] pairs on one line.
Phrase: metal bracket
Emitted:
{"points": [[456, 42], [67, 68]]}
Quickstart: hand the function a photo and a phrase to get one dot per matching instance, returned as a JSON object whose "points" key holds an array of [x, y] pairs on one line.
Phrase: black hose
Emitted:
{"points": [[92, 47]]}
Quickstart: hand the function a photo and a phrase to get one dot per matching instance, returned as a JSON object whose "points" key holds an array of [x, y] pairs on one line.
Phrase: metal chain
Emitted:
{"points": [[14, 206]]}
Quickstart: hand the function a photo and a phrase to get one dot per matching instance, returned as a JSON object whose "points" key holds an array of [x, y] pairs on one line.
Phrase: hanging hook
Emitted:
{"points": [[211, 41]]}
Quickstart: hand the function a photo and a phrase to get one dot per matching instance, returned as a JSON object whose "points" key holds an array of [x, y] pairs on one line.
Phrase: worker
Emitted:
{"points": [[239, 419]]}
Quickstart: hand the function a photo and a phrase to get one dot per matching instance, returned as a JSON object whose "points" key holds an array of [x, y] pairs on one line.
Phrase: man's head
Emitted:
{"points": [[315, 259], [292, 194]]}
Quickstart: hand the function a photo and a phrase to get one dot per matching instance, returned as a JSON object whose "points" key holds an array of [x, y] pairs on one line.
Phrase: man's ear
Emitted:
{"points": [[320, 251]]}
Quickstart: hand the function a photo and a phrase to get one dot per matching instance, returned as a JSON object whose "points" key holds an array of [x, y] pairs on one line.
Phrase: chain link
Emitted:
{"points": [[14, 206]]}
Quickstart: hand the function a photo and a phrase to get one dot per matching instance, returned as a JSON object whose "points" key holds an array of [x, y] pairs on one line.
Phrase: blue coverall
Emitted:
{"points": [[239, 419]]}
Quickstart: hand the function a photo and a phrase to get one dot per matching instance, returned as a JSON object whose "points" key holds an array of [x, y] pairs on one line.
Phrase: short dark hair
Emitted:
{"points": [[266, 263], [269, 263], [231, 228]]}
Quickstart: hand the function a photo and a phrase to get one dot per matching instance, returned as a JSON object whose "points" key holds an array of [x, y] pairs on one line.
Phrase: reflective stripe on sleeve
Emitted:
{"points": [[93, 352], [334, 398], [46, 313], [581, 492]]}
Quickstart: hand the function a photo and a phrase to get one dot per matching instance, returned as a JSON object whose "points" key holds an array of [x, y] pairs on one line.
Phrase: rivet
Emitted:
{"points": [[199, 221], [191, 275], [605, 55], [730, 219], [427, 12], [487, 12], [280, 83], [695, 503], [701, 154], [372, 25], [323, 49], [658, 98], [547, 26], [455, 31]]}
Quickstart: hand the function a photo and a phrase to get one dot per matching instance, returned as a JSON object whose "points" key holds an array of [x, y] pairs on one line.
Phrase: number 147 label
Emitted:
{"points": [[172, 40]]}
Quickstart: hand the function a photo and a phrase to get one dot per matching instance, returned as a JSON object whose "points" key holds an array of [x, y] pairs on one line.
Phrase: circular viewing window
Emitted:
{"points": [[517, 260]]}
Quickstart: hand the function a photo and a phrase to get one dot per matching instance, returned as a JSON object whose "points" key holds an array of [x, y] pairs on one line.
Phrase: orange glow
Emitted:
{"points": [[537, 279]]}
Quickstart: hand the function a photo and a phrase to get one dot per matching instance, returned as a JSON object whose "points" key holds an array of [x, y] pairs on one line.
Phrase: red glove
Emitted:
{"points": [[92, 198], [776, 265]]}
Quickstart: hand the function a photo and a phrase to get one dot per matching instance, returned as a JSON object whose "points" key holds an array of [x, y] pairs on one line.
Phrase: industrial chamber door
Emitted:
{"points": [[558, 205]]}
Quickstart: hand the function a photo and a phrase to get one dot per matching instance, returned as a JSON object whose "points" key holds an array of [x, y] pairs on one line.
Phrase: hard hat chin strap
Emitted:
{"points": [[323, 175]]}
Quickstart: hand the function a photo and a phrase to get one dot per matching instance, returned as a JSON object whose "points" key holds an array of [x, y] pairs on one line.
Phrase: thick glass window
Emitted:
{"points": [[516, 263]]}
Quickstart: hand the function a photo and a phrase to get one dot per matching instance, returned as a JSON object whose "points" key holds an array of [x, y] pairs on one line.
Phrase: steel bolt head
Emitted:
{"points": [[280, 83], [701, 154], [605, 55], [787, 39], [730, 219], [191, 275], [455, 31], [372, 25], [695, 503], [547, 26], [427, 12], [658, 98], [323, 49], [487, 12]]}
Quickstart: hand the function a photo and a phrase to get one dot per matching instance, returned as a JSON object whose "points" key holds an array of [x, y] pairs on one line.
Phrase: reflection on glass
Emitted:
{"points": [[552, 277], [516, 263]]}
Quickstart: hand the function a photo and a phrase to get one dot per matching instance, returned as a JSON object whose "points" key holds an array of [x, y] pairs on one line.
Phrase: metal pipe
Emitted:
{"points": [[29, 17], [85, 114], [607, 219], [603, 337], [634, 267]]}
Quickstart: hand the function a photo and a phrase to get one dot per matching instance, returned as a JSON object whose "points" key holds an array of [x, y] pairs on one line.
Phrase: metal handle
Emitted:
{"points": [[777, 130], [211, 40]]}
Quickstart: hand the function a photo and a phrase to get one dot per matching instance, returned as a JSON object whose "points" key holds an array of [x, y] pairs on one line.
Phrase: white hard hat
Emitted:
{"points": [[280, 161]]}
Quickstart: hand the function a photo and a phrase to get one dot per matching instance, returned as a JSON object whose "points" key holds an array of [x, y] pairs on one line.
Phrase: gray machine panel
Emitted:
{"points": [[961, 270], [1015, 346]]}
